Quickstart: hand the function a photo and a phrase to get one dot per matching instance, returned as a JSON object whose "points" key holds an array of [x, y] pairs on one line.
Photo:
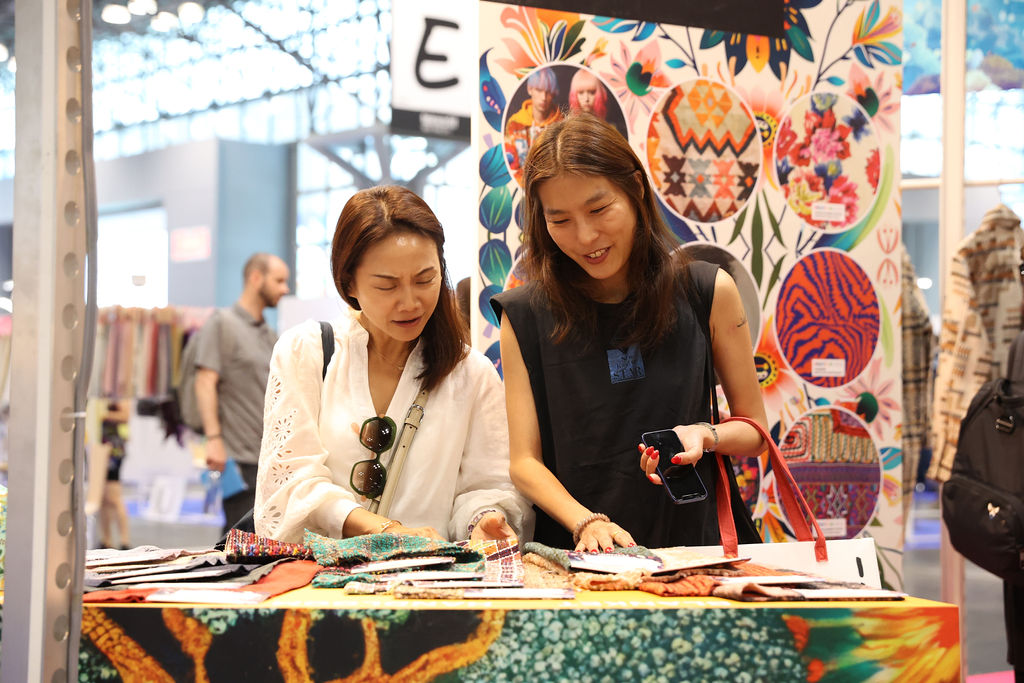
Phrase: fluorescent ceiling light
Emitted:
{"points": [[6, 304], [4, 53], [115, 14], [142, 7], [164, 22], [190, 13]]}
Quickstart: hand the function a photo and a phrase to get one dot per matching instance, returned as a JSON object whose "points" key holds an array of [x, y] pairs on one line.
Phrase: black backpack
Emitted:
{"points": [[983, 501]]}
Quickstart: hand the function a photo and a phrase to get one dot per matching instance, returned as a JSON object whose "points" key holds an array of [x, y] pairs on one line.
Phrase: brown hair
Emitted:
{"points": [[585, 145], [378, 212]]}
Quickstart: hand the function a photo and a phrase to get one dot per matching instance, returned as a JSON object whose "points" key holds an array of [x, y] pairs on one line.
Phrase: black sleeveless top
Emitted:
{"points": [[595, 400]]}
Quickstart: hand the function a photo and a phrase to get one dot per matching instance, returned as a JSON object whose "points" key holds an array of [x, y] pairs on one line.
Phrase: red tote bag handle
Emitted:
{"points": [[794, 505]]}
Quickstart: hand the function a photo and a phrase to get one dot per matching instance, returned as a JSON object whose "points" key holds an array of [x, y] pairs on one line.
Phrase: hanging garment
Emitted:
{"points": [[981, 316], [918, 347]]}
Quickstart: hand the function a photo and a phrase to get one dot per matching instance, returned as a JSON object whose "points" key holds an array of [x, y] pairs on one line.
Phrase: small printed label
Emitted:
{"points": [[828, 211], [828, 367], [833, 528]]}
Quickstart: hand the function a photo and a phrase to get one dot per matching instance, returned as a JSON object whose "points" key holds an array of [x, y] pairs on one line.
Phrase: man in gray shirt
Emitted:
{"points": [[232, 364]]}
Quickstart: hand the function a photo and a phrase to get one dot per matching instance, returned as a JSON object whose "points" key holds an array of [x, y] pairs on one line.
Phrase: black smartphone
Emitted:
{"points": [[682, 482]]}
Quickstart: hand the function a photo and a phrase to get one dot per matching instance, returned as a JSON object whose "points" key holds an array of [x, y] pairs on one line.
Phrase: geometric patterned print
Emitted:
{"points": [[836, 465], [827, 311], [827, 159], [704, 151]]}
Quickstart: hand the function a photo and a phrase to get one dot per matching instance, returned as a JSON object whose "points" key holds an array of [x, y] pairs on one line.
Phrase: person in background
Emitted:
{"points": [[232, 363], [587, 95], [114, 434], [327, 438], [538, 112], [606, 341]]}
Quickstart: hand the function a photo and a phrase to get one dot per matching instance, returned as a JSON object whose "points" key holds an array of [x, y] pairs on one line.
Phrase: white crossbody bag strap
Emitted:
{"points": [[382, 505]]}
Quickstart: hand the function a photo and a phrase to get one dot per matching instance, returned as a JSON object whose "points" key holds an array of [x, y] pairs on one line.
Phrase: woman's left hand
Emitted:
{"points": [[492, 527]]}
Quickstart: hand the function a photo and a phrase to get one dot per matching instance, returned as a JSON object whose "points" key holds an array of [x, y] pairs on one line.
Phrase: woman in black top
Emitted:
{"points": [[606, 343]]}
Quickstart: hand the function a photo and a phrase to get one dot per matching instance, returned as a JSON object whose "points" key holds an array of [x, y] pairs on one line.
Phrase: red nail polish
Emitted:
{"points": [[657, 454], [640, 447], [607, 550], [632, 545], [676, 459]]}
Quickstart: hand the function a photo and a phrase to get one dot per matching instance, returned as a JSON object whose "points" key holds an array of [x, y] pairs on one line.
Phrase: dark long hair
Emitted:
{"points": [[370, 216], [585, 145]]}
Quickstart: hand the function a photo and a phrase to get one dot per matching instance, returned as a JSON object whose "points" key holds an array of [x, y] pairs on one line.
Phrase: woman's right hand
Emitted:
{"points": [[600, 535]]}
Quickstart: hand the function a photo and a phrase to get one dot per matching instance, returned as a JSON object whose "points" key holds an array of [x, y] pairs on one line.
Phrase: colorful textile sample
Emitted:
{"points": [[330, 552], [827, 318], [838, 468], [704, 151], [243, 544]]}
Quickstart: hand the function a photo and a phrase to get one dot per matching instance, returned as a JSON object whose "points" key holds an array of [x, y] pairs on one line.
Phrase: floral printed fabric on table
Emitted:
{"points": [[781, 643]]}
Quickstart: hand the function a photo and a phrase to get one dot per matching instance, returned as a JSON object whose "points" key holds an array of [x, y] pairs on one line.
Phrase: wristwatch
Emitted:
{"points": [[714, 433]]}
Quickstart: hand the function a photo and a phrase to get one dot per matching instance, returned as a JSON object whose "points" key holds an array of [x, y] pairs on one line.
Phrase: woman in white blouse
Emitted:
{"points": [[402, 335]]}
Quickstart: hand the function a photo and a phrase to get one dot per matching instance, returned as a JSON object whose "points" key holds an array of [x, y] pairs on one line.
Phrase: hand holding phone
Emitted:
{"points": [[682, 482]]}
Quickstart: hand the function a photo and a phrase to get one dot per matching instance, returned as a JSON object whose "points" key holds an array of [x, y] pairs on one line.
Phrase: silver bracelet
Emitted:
{"points": [[585, 522], [714, 433]]}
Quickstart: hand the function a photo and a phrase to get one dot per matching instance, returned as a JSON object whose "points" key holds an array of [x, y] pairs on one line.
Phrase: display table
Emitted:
{"points": [[324, 635]]}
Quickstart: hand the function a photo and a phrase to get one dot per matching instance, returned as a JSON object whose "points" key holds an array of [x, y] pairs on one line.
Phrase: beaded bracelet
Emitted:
{"points": [[585, 522], [477, 517]]}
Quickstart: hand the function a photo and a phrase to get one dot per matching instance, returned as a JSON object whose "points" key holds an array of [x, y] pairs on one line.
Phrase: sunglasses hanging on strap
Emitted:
{"points": [[373, 478], [382, 505]]}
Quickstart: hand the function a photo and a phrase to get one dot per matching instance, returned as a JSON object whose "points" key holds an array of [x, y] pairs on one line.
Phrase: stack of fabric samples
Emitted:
{"points": [[149, 573], [411, 567]]}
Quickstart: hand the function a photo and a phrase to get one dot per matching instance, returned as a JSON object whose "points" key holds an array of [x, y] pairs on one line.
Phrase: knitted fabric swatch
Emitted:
{"points": [[561, 557], [543, 573], [752, 592], [242, 545], [623, 581], [339, 577], [688, 586], [330, 552]]}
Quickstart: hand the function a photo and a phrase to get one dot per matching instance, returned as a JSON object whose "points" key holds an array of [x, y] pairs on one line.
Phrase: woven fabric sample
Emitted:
{"points": [[242, 544], [330, 552], [704, 150]]}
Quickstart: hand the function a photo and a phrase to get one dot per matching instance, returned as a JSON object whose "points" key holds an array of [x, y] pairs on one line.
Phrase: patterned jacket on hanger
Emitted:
{"points": [[981, 316]]}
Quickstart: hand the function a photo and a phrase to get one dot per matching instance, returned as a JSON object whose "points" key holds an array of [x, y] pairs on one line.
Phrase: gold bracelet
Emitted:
{"points": [[387, 525]]}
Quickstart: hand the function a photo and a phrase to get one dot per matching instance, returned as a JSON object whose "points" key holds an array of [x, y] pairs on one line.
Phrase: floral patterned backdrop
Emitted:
{"points": [[777, 159]]}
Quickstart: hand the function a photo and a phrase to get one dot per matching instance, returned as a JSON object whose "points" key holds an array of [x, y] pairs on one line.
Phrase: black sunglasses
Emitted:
{"points": [[369, 476]]}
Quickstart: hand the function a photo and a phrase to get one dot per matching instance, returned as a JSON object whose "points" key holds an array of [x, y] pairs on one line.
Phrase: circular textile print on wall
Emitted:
{"points": [[827, 161], [703, 151], [545, 97], [712, 253], [827, 318], [837, 467]]}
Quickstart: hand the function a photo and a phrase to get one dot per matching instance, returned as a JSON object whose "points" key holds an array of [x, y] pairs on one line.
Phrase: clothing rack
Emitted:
{"points": [[138, 350]]}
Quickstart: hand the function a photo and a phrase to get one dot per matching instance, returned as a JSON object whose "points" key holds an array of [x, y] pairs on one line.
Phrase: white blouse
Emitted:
{"points": [[457, 465]]}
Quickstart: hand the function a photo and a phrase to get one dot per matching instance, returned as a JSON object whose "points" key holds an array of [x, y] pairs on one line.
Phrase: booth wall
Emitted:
{"points": [[776, 158]]}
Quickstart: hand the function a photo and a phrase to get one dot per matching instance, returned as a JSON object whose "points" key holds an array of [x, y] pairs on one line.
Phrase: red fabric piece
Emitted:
{"points": [[282, 578], [285, 577], [122, 595]]}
